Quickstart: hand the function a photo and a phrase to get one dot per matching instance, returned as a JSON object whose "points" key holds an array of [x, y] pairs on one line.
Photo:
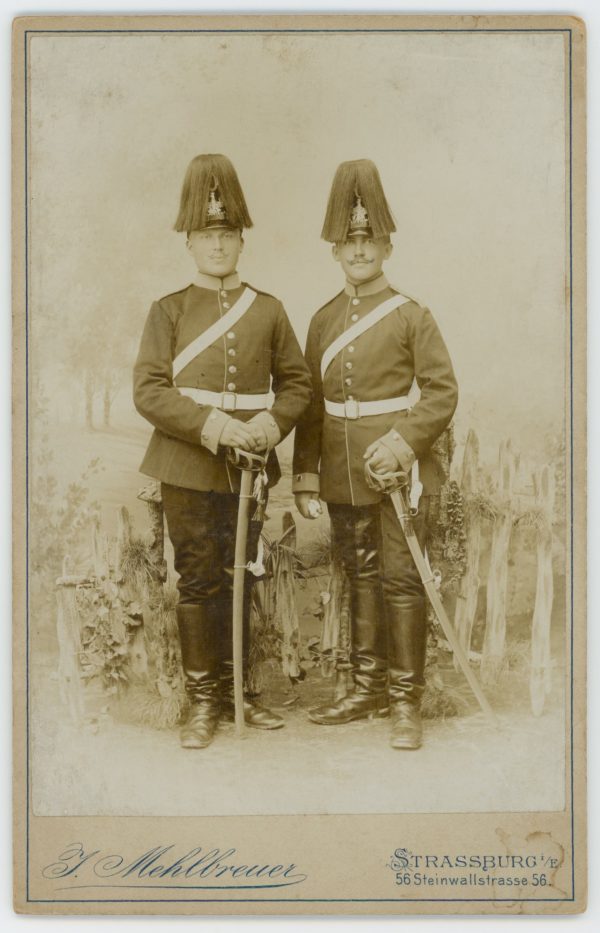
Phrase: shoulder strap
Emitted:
{"points": [[369, 320], [212, 333]]}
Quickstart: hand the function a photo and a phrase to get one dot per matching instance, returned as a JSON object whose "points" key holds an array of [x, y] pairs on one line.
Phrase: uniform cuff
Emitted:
{"points": [[213, 428], [267, 422], [403, 453], [306, 482]]}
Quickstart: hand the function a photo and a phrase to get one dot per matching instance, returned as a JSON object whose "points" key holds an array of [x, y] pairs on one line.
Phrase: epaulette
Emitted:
{"points": [[327, 303], [416, 301], [180, 291], [259, 291]]}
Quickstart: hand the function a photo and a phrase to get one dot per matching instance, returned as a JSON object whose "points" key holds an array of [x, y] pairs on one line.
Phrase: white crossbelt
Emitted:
{"points": [[369, 320], [227, 401], [212, 333]]}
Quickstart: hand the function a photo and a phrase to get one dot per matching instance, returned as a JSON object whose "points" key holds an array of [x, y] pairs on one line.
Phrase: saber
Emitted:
{"points": [[249, 464], [395, 485]]}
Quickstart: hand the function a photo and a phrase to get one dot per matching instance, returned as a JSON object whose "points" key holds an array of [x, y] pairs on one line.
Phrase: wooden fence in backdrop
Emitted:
{"points": [[115, 625]]}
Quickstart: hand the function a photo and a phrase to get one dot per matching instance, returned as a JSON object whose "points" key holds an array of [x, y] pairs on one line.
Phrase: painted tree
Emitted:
{"points": [[99, 359]]}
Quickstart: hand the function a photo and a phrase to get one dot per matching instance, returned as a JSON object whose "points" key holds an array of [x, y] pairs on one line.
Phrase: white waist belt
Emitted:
{"points": [[353, 409], [227, 401]]}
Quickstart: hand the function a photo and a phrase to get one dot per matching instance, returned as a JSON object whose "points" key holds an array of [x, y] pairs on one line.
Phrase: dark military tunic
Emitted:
{"points": [[379, 364], [259, 354]]}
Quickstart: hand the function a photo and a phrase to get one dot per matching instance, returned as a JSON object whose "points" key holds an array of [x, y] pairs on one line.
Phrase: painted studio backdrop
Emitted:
{"points": [[468, 132]]}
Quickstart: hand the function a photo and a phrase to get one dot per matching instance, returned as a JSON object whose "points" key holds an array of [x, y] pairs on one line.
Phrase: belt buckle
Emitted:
{"points": [[351, 409], [229, 401]]}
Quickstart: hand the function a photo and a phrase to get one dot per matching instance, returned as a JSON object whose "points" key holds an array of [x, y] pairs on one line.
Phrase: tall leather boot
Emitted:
{"points": [[198, 636], [407, 635], [368, 696], [355, 534]]}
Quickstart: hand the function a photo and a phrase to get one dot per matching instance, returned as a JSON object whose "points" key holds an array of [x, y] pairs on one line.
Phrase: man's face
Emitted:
{"points": [[362, 257], [216, 250]]}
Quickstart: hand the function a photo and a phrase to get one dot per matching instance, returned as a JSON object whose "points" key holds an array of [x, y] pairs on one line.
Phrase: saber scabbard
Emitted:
{"points": [[249, 464], [395, 485]]}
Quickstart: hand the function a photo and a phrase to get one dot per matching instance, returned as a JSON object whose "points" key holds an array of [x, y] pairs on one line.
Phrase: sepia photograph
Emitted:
{"points": [[301, 300]]}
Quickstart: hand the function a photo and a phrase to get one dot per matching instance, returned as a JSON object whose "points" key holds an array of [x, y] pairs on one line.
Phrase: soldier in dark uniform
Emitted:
{"points": [[209, 356], [383, 391]]}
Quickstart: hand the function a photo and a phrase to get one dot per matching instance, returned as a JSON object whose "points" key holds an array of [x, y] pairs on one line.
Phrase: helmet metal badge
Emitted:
{"points": [[216, 215], [212, 196], [359, 218], [357, 204]]}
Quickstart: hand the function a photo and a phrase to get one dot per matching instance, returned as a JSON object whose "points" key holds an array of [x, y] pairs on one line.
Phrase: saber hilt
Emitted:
{"points": [[399, 481], [256, 464], [385, 482], [246, 459]]}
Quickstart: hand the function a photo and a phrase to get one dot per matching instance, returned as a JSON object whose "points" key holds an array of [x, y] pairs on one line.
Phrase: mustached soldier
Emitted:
{"points": [[209, 355], [384, 390]]}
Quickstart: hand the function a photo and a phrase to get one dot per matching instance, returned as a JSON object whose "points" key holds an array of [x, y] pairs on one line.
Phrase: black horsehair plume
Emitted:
{"points": [[204, 174], [359, 177]]}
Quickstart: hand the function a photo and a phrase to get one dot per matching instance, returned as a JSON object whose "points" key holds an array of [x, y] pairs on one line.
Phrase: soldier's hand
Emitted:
{"points": [[259, 434], [381, 459], [308, 504], [237, 434]]}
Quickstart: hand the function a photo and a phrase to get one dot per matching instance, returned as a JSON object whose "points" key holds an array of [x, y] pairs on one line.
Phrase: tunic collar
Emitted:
{"points": [[213, 282], [367, 288]]}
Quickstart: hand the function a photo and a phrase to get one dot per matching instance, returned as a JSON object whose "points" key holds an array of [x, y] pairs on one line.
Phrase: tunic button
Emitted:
{"points": [[231, 351], [233, 369], [348, 365], [231, 386], [224, 293], [231, 335], [348, 381], [354, 317], [350, 398], [356, 301], [350, 349], [225, 304]]}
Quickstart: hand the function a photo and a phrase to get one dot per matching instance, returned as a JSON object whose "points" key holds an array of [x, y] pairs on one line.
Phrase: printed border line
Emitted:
{"points": [[572, 503], [142, 32], [27, 630], [309, 900], [283, 31]]}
